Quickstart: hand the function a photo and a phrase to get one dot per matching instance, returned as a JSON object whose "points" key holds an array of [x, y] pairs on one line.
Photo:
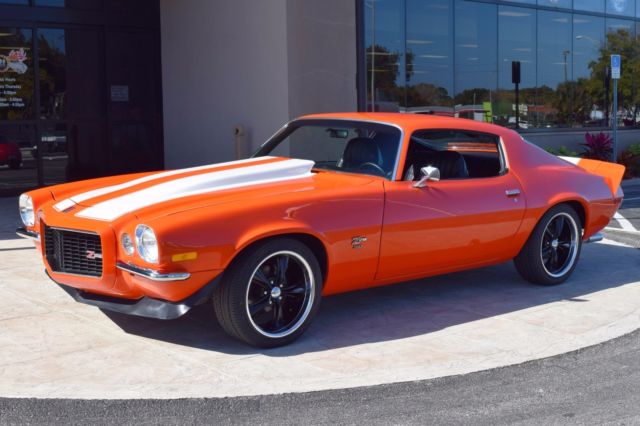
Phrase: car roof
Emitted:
{"points": [[413, 121]]}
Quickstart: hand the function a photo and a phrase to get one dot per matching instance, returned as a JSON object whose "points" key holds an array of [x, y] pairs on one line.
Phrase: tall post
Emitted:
{"points": [[373, 56], [607, 85], [515, 79], [517, 105], [616, 66], [614, 124]]}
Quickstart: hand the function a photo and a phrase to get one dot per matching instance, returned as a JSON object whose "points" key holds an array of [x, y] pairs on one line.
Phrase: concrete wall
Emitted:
{"points": [[224, 63], [322, 56], [253, 63]]}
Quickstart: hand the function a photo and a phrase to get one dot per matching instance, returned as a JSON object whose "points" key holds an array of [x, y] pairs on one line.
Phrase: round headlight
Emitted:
{"points": [[127, 244], [26, 210], [147, 244]]}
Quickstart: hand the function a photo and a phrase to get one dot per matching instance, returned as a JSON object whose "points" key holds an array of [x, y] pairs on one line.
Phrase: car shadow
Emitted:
{"points": [[407, 309]]}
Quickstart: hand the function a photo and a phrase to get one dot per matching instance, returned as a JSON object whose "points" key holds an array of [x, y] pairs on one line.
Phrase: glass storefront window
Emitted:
{"points": [[516, 42], [621, 7], [588, 40], [52, 53], [429, 55], [71, 4], [16, 74], [476, 72], [54, 152], [554, 97], [566, 4], [589, 5], [385, 47], [18, 164]]}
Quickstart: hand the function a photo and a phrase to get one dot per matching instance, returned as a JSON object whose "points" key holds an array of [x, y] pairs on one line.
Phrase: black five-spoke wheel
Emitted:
{"points": [[270, 294], [559, 243], [551, 253], [280, 294]]}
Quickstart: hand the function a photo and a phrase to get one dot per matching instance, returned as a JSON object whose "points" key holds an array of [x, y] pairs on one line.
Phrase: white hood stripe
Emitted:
{"points": [[77, 199], [199, 184]]}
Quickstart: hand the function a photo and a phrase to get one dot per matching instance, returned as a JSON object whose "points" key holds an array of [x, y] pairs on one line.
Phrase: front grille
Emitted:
{"points": [[73, 252]]}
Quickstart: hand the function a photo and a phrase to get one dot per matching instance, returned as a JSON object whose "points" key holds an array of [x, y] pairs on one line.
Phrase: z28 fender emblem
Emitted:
{"points": [[356, 242], [93, 255]]}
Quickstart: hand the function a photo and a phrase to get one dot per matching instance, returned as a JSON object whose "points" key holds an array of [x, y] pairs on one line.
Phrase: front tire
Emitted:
{"points": [[270, 294], [551, 253]]}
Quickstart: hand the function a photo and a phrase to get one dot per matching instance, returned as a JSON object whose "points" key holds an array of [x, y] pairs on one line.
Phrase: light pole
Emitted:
{"points": [[373, 52]]}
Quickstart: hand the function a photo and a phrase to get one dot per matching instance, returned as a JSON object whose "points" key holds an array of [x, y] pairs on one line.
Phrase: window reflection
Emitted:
{"points": [[429, 58], [384, 41], [554, 97], [18, 165], [621, 7], [476, 34], [589, 5], [52, 51], [16, 74], [454, 57], [555, 3], [517, 42], [54, 153]]}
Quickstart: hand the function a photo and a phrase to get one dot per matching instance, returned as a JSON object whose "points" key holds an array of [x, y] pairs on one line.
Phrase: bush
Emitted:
{"points": [[634, 149], [566, 152], [630, 162], [562, 151], [597, 146]]}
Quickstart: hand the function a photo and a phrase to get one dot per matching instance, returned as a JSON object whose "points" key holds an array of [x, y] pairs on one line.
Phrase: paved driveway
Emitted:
{"points": [[455, 324]]}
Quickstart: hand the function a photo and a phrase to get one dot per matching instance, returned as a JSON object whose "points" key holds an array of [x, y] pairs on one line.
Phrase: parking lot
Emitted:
{"points": [[626, 225], [455, 324]]}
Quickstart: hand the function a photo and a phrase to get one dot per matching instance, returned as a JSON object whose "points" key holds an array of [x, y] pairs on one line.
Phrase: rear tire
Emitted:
{"points": [[270, 294], [551, 253], [14, 164]]}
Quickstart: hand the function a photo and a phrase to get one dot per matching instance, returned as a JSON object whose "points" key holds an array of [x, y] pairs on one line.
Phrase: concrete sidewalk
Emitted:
{"points": [[455, 324]]}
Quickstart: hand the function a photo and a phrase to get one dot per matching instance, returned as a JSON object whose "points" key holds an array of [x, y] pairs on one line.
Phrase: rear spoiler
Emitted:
{"points": [[611, 172]]}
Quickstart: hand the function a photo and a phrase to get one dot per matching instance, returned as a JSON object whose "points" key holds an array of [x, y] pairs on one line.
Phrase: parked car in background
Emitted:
{"points": [[332, 203], [10, 153]]}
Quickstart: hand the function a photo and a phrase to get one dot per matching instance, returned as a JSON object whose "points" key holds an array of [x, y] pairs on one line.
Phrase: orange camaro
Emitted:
{"points": [[331, 203]]}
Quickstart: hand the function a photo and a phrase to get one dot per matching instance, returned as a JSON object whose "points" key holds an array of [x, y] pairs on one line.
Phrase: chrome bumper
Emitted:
{"points": [[151, 274], [25, 233], [595, 238]]}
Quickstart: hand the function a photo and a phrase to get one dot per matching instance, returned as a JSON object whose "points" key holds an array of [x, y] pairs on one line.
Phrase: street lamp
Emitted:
{"points": [[372, 6]]}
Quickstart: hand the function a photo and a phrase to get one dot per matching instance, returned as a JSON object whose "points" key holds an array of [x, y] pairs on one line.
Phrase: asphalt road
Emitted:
{"points": [[625, 227], [595, 385]]}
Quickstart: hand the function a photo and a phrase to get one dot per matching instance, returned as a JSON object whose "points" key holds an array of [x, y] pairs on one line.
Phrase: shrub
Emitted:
{"points": [[562, 151], [634, 149], [597, 146], [566, 152], [631, 162]]}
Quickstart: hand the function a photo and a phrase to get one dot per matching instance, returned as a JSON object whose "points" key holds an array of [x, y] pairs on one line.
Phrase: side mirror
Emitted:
{"points": [[429, 173]]}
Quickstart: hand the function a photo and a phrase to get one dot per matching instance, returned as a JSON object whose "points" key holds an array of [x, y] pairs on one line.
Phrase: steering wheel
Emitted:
{"points": [[374, 166]]}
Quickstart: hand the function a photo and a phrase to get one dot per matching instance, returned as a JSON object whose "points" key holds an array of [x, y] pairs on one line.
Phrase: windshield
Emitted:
{"points": [[342, 145]]}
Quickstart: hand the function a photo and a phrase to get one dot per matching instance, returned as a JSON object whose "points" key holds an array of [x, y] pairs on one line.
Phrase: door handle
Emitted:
{"points": [[512, 192]]}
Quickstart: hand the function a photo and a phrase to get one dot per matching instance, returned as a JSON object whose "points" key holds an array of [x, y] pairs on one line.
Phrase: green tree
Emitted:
{"points": [[623, 43], [573, 102]]}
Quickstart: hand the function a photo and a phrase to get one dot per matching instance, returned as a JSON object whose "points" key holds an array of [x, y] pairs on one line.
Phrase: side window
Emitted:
{"points": [[458, 154]]}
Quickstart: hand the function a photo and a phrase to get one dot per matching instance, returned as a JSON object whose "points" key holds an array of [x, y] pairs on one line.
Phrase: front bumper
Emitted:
{"points": [[25, 233], [151, 274], [144, 307]]}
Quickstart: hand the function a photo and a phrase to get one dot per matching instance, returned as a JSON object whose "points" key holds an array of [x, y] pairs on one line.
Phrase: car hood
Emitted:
{"points": [[164, 193]]}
